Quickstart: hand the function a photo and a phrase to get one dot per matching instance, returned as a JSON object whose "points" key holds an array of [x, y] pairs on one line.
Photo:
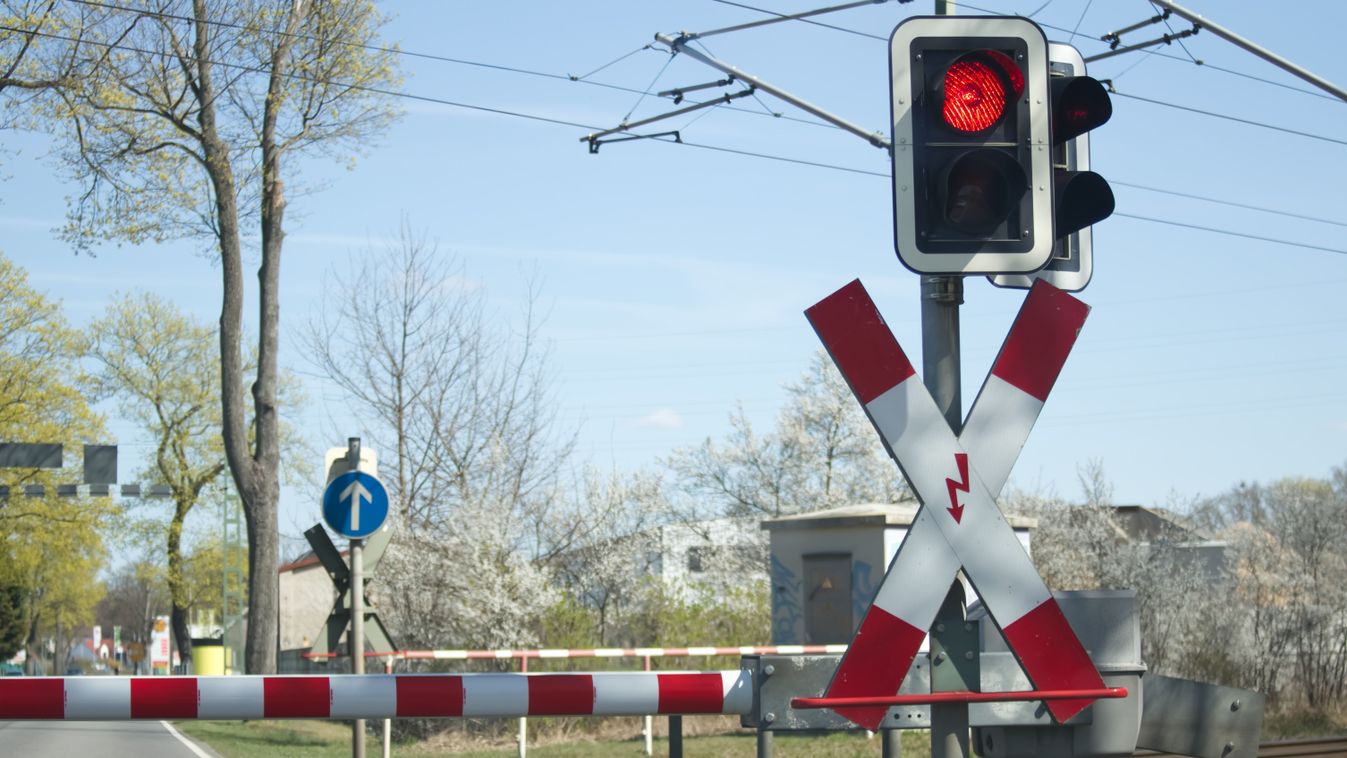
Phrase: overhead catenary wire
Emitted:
{"points": [[1243, 75], [1230, 233], [583, 79], [811, 22], [714, 148], [1180, 59], [1228, 117], [1231, 203]]}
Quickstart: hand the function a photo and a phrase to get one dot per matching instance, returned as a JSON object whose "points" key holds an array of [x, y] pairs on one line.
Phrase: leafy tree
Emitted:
{"points": [[13, 631], [822, 453], [136, 594], [23, 23], [157, 363], [182, 117], [50, 546]]}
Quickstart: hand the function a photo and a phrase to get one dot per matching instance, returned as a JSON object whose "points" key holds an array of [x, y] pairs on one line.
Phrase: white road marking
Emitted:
{"points": [[198, 752]]}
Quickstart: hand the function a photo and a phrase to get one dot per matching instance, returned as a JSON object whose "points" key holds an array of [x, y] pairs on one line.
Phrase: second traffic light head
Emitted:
{"points": [[1080, 198]]}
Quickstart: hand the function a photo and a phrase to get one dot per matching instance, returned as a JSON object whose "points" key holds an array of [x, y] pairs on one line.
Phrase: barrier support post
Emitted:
{"points": [[891, 741], [388, 723], [765, 743], [648, 723], [523, 721], [675, 737]]}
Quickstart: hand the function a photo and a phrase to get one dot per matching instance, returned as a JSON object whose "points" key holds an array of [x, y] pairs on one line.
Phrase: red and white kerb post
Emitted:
{"points": [[957, 479], [374, 696]]}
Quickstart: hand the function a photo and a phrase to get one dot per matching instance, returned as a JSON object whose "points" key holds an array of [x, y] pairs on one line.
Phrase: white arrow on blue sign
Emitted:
{"points": [[355, 504]]}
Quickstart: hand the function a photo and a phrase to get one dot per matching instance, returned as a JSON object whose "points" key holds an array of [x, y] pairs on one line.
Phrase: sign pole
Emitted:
{"points": [[357, 637], [357, 640]]}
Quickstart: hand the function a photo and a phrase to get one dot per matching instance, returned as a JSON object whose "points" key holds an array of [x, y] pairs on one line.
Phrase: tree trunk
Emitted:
{"points": [[255, 477], [177, 591]]}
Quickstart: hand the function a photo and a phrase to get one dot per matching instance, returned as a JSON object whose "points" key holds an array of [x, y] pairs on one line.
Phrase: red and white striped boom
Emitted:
{"points": [[374, 696]]}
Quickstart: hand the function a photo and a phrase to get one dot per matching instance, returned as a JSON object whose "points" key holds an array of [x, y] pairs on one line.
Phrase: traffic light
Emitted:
{"points": [[1082, 198], [972, 165]]}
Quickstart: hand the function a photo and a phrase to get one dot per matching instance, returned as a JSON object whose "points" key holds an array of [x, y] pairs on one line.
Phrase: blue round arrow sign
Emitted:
{"points": [[355, 504]]}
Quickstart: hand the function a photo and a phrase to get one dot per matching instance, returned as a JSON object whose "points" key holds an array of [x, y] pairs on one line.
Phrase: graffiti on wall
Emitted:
{"points": [[787, 607], [863, 589]]}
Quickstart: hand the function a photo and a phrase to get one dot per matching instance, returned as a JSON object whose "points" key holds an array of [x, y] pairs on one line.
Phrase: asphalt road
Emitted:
{"points": [[87, 739]]}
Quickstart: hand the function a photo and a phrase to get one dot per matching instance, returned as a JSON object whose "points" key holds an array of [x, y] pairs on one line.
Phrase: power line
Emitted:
{"points": [[991, 12], [781, 158], [1180, 59], [1231, 203], [1242, 74], [584, 79], [563, 122], [805, 20], [1227, 117], [1229, 233]]}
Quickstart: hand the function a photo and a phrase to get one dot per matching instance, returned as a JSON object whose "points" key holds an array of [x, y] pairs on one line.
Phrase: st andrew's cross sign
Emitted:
{"points": [[956, 478]]}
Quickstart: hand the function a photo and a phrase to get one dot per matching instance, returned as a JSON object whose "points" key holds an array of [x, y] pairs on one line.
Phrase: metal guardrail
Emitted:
{"points": [[602, 652]]}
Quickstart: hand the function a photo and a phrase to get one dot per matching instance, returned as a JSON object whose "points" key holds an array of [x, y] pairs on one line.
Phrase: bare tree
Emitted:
{"points": [[462, 404], [480, 487], [823, 452]]}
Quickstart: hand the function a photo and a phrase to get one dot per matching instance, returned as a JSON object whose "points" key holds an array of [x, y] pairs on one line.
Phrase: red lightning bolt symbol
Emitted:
{"points": [[955, 509]]}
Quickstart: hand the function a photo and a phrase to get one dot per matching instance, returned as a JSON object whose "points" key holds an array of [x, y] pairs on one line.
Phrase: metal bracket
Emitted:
{"points": [[677, 93], [595, 143], [779, 678]]}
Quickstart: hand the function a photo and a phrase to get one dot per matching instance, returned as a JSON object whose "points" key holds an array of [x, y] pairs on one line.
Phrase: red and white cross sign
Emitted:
{"points": [[957, 479]]}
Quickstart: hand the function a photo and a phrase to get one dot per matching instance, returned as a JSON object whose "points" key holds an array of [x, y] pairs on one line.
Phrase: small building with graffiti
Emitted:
{"points": [[826, 566]]}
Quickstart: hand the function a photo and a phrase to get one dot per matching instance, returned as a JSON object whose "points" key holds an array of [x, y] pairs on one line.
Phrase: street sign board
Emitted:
{"points": [[956, 478], [339, 618], [355, 504]]}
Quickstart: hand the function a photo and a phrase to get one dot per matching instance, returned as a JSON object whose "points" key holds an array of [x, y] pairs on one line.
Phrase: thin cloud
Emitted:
{"points": [[662, 418]]}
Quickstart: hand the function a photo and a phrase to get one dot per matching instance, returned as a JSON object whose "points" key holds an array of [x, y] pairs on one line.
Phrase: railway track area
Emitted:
{"points": [[1305, 748]]}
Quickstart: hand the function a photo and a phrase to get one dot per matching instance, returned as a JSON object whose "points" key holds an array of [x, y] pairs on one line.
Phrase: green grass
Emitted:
{"points": [[281, 739], [321, 739]]}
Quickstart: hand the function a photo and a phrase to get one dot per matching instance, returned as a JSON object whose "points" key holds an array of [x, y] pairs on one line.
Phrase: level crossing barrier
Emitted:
{"points": [[375, 696], [644, 653]]}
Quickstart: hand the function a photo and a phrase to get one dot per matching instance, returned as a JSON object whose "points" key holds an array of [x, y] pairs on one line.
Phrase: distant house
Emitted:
{"points": [[716, 549], [306, 597], [1144, 526]]}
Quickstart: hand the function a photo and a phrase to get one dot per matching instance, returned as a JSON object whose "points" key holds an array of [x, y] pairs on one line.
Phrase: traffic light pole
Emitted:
{"points": [[941, 297]]}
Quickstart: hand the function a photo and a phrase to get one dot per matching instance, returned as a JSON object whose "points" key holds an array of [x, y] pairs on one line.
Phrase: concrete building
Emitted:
{"points": [[827, 565]]}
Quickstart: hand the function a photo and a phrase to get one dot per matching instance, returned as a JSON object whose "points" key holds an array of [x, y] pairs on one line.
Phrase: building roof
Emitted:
{"points": [[306, 560], [866, 514]]}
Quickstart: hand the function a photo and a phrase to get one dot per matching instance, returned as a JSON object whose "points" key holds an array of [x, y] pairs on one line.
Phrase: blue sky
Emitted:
{"points": [[675, 276]]}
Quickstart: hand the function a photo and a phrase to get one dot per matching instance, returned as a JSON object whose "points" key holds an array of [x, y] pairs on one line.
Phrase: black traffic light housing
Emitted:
{"points": [[1081, 197], [972, 176]]}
